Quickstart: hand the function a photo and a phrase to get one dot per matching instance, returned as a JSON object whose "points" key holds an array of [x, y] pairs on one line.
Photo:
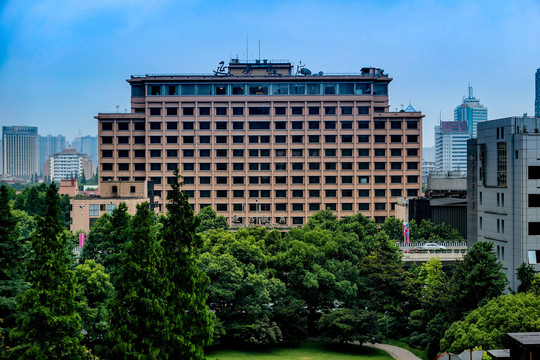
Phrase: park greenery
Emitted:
{"points": [[176, 285]]}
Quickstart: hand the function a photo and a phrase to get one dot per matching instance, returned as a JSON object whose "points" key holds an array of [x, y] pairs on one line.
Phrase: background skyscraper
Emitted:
{"points": [[20, 150], [471, 111], [451, 146], [537, 101], [50, 145], [89, 146]]}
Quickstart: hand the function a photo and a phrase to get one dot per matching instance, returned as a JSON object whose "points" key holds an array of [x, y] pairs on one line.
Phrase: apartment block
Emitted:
{"points": [[264, 143], [68, 164], [503, 188]]}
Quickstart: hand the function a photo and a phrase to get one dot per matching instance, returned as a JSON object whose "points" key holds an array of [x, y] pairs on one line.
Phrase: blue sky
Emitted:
{"points": [[63, 61]]}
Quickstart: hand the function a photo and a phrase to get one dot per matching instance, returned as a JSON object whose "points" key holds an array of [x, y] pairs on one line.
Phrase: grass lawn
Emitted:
{"points": [[307, 350]]}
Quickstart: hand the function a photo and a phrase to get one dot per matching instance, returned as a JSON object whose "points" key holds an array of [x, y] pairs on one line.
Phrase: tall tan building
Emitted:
{"points": [[268, 143]]}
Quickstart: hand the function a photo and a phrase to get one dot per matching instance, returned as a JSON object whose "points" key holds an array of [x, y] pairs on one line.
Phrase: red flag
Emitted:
{"points": [[81, 240]]}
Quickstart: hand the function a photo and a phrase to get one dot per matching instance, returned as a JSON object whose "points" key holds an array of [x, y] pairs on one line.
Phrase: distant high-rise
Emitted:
{"points": [[49, 145], [89, 146], [20, 150], [537, 101], [451, 146], [472, 112]]}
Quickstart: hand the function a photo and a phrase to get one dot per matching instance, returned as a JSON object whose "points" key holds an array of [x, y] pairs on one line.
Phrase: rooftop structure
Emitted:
{"points": [[264, 142], [86, 210]]}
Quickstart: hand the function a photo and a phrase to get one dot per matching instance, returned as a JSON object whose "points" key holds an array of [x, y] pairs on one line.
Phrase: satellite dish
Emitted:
{"points": [[321, 73], [305, 71]]}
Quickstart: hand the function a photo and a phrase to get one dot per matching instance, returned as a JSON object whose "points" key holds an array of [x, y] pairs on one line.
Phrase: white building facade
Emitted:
{"points": [[68, 164], [451, 146], [504, 191]]}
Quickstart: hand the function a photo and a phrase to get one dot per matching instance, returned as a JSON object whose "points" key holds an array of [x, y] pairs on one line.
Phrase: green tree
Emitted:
{"points": [[393, 228], [99, 234], [50, 327], [12, 251], [348, 325], [208, 219], [113, 244], [94, 291], [190, 319], [477, 279], [138, 323], [486, 326], [525, 275]]}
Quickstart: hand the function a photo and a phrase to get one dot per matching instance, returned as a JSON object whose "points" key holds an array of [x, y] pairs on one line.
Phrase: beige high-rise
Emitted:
{"points": [[265, 142]]}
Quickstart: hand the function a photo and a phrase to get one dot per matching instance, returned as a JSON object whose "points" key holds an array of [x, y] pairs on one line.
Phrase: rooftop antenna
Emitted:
{"points": [[259, 50], [470, 91], [247, 47], [440, 118]]}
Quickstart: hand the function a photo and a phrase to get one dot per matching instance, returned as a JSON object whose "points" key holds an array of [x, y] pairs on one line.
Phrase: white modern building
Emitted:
{"points": [[451, 146], [472, 112], [20, 151], [68, 164], [503, 189]]}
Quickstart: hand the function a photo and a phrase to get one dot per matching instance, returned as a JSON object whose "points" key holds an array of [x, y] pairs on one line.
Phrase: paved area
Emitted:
{"points": [[396, 352]]}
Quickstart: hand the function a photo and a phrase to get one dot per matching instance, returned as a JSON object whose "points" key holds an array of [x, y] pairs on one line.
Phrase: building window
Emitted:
{"points": [[412, 192], [363, 206], [346, 206], [298, 207], [331, 193], [314, 207], [501, 164], [480, 223], [314, 193], [363, 152], [330, 152], [331, 206], [395, 192], [94, 209], [155, 111], [534, 172], [363, 138]]}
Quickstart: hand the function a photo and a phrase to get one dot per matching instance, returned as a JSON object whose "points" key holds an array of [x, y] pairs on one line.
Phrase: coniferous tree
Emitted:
{"points": [[11, 269], [191, 322], [138, 311], [50, 327], [112, 247]]}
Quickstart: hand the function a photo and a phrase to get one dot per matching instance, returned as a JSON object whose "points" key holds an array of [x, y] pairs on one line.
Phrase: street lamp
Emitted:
{"points": [[243, 215], [82, 224], [386, 317], [257, 210]]}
